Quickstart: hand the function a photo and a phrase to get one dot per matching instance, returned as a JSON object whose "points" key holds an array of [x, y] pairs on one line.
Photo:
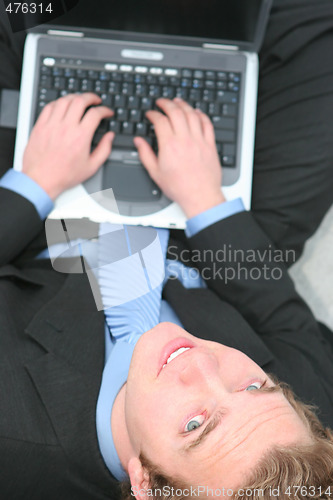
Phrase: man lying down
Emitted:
{"points": [[91, 397]]}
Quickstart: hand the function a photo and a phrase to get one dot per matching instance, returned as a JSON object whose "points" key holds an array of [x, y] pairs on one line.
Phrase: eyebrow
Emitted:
{"points": [[207, 430], [218, 418]]}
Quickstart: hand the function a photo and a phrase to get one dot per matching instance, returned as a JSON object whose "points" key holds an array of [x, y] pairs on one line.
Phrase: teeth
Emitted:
{"points": [[175, 354]]}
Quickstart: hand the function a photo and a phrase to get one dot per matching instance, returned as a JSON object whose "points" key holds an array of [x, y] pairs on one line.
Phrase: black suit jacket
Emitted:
{"points": [[52, 350]]}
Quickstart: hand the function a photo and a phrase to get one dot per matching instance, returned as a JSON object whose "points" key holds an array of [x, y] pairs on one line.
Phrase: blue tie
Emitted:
{"points": [[131, 270]]}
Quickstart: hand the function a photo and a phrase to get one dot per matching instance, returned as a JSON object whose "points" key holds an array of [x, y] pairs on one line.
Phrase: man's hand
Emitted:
{"points": [[187, 168], [58, 155]]}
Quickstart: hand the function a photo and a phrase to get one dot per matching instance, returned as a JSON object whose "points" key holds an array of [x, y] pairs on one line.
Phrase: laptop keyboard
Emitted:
{"points": [[132, 90]]}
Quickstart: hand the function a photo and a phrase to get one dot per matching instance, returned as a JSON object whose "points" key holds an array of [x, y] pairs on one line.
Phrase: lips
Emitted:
{"points": [[171, 347]]}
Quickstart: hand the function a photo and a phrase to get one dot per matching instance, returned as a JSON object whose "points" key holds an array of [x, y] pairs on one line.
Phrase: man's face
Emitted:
{"points": [[202, 417]]}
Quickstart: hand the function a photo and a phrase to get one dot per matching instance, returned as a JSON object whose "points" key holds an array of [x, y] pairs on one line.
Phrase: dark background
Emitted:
{"points": [[21, 22]]}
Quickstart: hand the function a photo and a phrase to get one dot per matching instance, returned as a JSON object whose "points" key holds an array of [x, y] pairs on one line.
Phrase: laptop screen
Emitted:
{"points": [[227, 20]]}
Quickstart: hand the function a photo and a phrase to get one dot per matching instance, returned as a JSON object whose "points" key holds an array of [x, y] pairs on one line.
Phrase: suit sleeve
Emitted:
{"points": [[241, 265], [20, 223]]}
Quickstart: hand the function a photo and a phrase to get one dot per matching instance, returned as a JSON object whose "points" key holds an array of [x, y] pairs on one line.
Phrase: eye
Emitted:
{"points": [[255, 385], [194, 423]]}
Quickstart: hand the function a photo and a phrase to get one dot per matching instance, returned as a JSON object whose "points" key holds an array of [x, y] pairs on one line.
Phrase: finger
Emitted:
{"points": [[45, 114], [102, 151], [147, 156], [162, 125], [79, 105], [207, 127], [176, 116], [193, 120], [61, 106], [92, 119]]}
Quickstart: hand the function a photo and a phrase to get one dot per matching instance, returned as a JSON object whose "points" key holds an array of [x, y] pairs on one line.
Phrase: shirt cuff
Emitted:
{"points": [[215, 214], [29, 189]]}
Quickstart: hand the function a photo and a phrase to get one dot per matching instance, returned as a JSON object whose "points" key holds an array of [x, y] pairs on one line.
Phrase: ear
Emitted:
{"points": [[139, 478]]}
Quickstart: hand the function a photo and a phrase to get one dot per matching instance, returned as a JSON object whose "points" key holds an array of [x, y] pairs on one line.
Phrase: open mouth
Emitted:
{"points": [[172, 350], [175, 354]]}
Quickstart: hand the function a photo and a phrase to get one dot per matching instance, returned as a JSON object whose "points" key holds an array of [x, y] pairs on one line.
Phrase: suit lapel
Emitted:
{"points": [[68, 376]]}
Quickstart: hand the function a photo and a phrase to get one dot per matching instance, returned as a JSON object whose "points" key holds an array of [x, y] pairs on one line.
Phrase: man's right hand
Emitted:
{"points": [[187, 167], [58, 155]]}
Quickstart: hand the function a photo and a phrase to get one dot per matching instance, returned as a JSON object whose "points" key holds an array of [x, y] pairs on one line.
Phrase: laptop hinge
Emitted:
{"points": [[218, 46], [74, 34]]}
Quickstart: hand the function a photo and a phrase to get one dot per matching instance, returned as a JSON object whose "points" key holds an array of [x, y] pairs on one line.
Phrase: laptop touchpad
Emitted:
{"points": [[129, 182]]}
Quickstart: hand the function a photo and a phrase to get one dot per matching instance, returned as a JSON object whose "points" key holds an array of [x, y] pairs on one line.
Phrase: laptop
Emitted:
{"points": [[131, 53]]}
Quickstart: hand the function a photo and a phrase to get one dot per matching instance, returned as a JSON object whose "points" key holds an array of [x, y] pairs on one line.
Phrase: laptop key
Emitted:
{"points": [[114, 88], [123, 141], [60, 83], [221, 85], [107, 100], [141, 90], [209, 84], [198, 74], [135, 115], [186, 83], [81, 73], [86, 86], [201, 105], [208, 95], [195, 95], [141, 129], [197, 84], [115, 77], [141, 79], [120, 101], [126, 141], [48, 95], [46, 70], [128, 77], [228, 161], [133, 102], [226, 97], [187, 73], [224, 135], [128, 128], [93, 74], [57, 71], [146, 103], [210, 75], [46, 82], [69, 73], [114, 126], [213, 108], [225, 123], [233, 86], [229, 110], [168, 92], [174, 81], [128, 89], [229, 149], [234, 77], [155, 91], [73, 84], [182, 93], [122, 114], [100, 86]]}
